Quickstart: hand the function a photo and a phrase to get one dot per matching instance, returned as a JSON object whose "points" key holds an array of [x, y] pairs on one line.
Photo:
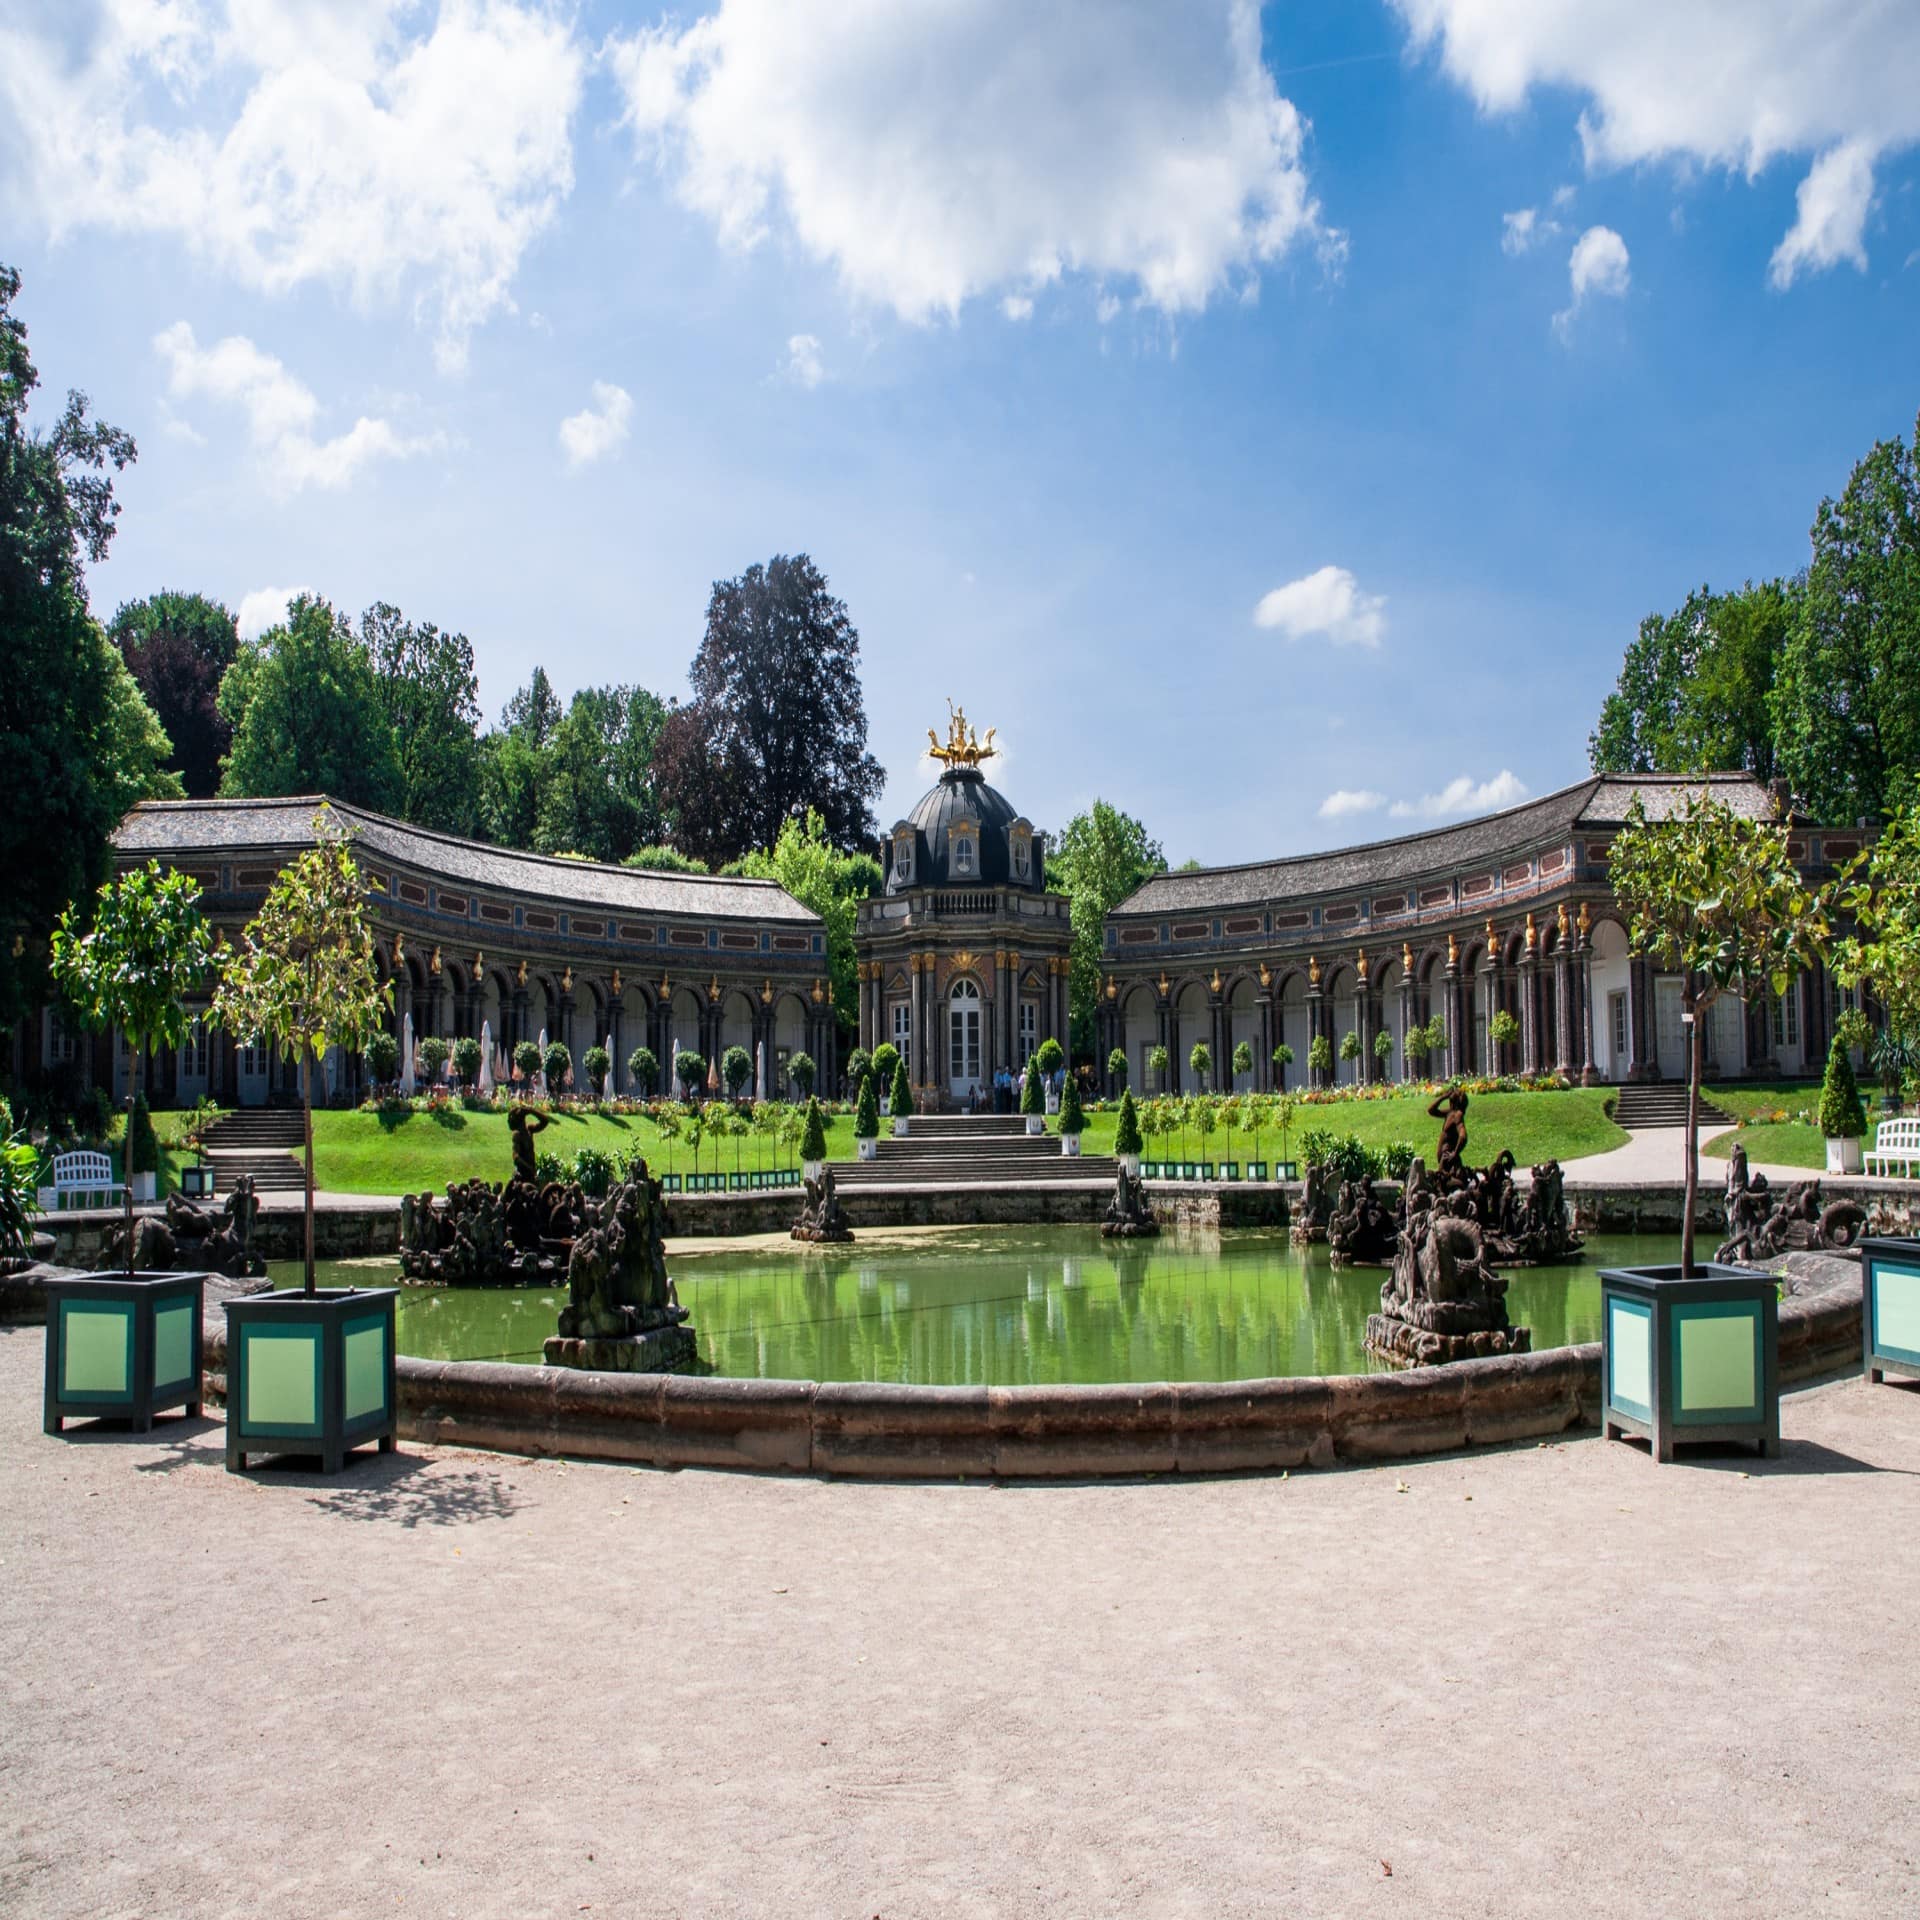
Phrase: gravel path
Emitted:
{"points": [[1545, 1681]]}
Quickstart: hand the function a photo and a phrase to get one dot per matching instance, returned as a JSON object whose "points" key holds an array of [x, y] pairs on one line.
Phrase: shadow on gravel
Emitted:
{"points": [[404, 1490], [1796, 1457]]}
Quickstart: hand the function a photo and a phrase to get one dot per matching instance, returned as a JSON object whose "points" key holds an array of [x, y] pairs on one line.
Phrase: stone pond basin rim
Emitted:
{"points": [[882, 1430]]}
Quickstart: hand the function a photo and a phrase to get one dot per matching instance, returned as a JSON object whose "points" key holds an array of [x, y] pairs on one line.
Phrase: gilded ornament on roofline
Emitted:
{"points": [[963, 959], [1532, 937], [399, 948], [1561, 918], [766, 993], [818, 996], [1406, 958], [713, 988], [1266, 975], [1214, 983], [1113, 991], [618, 988], [1165, 984], [1313, 971], [964, 747], [1453, 951], [520, 974], [1363, 963], [479, 968], [1585, 922], [566, 981], [433, 965]]}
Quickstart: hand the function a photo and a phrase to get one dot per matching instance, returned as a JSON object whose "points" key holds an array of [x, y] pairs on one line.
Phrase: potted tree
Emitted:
{"points": [[556, 1068], [1049, 1058], [1032, 1101], [1282, 1060], [1073, 1118], [1414, 1048], [690, 1070], [597, 1063], [1242, 1059], [1201, 1061], [311, 1370], [900, 1102], [1350, 1047], [1503, 1030], [1383, 1051], [433, 1057], [813, 1141], [1842, 1118], [1284, 1168], [866, 1119], [383, 1058], [736, 1069], [800, 1070], [643, 1070], [1158, 1061], [1320, 1058], [1117, 1068], [466, 1062], [886, 1056], [1880, 889], [526, 1063], [1127, 1143]]}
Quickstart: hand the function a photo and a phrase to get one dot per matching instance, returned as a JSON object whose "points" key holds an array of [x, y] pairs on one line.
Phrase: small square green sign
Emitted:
{"points": [[172, 1343], [282, 1374], [1896, 1311], [1716, 1350], [366, 1368], [96, 1347], [1630, 1350]]}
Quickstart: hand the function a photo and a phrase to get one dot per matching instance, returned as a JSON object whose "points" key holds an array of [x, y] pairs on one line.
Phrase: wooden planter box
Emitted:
{"points": [[310, 1373], [1890, 1307], [1684, 1360], [196, 1182], [122, 1349]]}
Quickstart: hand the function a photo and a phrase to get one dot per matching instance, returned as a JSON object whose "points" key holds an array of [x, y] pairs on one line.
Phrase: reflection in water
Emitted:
{"points": [[1003, 1306]]}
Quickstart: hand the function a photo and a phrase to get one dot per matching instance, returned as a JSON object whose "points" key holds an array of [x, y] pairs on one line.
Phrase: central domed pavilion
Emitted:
{"points": [[963, 958]]}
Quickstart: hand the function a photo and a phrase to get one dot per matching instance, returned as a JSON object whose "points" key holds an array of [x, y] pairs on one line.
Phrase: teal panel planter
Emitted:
{"points": [[310, 1373], [121, 1348], [1693, 1359], [1890, 1307]]}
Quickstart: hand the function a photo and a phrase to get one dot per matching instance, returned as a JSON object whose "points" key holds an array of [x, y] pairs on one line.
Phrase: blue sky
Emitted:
{"points": [[1171, 385]]}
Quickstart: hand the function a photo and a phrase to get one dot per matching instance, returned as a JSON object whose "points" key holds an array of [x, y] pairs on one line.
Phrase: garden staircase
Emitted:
{"points": [[1662, 1103], [263, 1141], [970, 1150]]}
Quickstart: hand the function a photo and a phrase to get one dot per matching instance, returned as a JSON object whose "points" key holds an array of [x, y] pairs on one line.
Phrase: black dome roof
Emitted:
{"points": [[962, 792]]}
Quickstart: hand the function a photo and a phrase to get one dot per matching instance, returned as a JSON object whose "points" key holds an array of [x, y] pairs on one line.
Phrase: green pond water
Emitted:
{"points": [[1005, 1306]]}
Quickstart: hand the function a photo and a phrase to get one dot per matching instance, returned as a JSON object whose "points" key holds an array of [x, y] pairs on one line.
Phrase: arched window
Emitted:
{"points": [[963, 1036]]}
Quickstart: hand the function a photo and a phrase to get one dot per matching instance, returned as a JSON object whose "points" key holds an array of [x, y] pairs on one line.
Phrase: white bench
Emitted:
{"points": [[1896, 1144], [81, 1172]]}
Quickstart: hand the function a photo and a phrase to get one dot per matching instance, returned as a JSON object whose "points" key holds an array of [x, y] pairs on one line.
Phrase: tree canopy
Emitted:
{"points": [[425, 685], [77, 740], [178, 647], [777, 722], [1101, 856]]}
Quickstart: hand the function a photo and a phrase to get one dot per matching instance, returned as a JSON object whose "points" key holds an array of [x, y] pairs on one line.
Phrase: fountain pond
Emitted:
{"points": [[1005, 1306]]}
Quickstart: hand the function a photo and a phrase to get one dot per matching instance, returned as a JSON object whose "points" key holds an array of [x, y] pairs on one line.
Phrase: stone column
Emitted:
{"points": [[1639, 1017], [1407, 992], [1531, 1044], [1583, 980], [1563, 1048], [1264, 1044], [618, 1079], [1459, 1024], [1163, 1013], [1365, 1068]]}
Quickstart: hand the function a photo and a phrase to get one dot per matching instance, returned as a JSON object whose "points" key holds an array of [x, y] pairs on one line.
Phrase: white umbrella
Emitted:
{"points": [[760, 1071], [486, 1056], [542, 1075], [613, 1075], [406, 1058]]}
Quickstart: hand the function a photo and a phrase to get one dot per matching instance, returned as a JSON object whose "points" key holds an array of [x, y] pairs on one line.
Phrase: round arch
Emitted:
{"points": [[1296, 1031]]}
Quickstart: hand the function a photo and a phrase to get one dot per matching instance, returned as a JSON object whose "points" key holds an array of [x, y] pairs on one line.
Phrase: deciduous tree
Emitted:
{"points": [[425, 685], [178, 647], [1101, 856]]}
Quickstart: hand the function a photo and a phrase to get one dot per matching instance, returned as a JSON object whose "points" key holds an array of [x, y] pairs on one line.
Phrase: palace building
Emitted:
{"points": [[472, 935], [963, 957], [1511, 912]]}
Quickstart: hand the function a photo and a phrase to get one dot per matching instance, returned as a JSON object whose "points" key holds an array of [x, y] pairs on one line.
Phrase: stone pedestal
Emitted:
{"points": [[666, 1346]]}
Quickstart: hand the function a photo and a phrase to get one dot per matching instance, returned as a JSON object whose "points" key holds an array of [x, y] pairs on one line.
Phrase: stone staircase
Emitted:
{"points": [[954, 1149], [1662, 1103], [263, 1141]]}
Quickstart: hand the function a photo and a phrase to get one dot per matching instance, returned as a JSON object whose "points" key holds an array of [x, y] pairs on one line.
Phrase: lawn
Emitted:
{"points": [[1533, 1126], [1793, 1142], [366, 1152]]}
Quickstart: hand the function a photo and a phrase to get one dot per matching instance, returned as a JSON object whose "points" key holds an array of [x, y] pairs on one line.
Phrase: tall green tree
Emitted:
{"points": [[1101, 856], [778, 705], [514, 766], [1880, 891], [1846, 701], [307, 715], [1716, 897], [1695, 689], [178, 647], [425, 684], [597, 794], [805, 861], [77, 742]]}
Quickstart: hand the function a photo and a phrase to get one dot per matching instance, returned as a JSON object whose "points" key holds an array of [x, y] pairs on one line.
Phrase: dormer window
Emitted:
{"points": [[1022, 855], [903, 858], [963, 850], [962, 853]]}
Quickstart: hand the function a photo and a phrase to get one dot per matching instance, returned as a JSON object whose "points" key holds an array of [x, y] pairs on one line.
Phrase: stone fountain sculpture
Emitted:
{"points": [[1129, 1217], [1363, 1229], [191, 1239], [1444, 1300], [1762, 1224], [821, 1222], [622, 1314]]}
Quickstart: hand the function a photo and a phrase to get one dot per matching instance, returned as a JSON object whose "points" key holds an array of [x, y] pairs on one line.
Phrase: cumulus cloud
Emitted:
{"points": [[803, 364], [1016, 306], [1345, 800], [1327, 602], [932, 155], [595, 431], [281, 411], [403, 152], [1523, 230], [264, 607], [1727, 83], [1464, 795], [1598, 265], [1833, 202]]}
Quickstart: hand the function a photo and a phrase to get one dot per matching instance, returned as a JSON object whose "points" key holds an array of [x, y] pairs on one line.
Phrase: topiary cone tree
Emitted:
{"points": [[145, 952], [1126, 1135], [1033, 1102], [866, 1111], [303, 977], [1716, 897], [1073, 1116], [813, 1136], [1842, 1117], [901, 1096]]}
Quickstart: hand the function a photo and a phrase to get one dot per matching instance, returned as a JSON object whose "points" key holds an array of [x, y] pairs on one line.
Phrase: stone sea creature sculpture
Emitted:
{"points": [[1129, 1217], [821, 1220], [1762, 1224]]}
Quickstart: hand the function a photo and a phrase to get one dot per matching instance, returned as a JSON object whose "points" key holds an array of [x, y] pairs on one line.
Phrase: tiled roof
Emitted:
{"points": [[1599, 802], [177, 827]]}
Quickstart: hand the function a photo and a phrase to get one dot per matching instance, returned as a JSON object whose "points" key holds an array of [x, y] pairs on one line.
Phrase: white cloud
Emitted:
{"points": [[1345, 800], [1523, 230], [404, 152], [1106, 309], [1597, 265], [263, 608], [1726, 83], [803, 364], [1464, 795], [1833, 202], [281, 411], [1563, 196], [932, 155], [596, 431], [1327, 601], [1016, 306]]}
